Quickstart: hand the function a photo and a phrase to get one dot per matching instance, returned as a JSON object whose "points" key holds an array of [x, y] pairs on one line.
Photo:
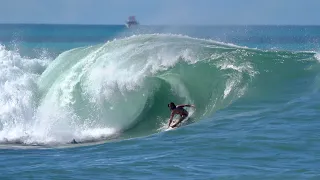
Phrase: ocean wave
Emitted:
{"points": [[121, 88]]}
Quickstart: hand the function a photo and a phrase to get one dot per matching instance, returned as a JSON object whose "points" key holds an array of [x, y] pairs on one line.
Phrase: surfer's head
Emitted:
{"points": [[172, 106]]}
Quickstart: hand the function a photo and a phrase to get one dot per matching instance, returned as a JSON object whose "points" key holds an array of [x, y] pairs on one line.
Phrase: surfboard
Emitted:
{"points": [[172, 123], [170, 128]]}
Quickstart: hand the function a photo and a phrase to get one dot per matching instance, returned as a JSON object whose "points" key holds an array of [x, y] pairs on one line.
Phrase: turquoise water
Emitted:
{"points": [[256, 89]]}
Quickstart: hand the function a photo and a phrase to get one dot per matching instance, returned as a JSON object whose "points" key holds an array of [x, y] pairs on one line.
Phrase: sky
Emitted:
{"points": [[162, 12]]}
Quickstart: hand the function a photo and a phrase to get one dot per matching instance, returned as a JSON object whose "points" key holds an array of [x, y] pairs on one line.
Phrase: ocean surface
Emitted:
{"points": [[90, 102]]}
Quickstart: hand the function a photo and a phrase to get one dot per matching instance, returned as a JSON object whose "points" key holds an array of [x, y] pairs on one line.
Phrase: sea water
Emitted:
{"points": [[256, 91]]}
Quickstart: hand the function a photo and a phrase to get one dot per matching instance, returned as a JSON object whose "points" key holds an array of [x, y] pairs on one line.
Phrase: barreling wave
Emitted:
{"points": [[122, 88]]}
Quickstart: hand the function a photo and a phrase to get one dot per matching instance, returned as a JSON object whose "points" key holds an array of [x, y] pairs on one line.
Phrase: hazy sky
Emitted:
{"points": [[161, 11]]}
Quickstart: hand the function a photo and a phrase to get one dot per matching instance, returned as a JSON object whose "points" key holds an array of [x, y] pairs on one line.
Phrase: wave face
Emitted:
{"points": [[122, 88]]}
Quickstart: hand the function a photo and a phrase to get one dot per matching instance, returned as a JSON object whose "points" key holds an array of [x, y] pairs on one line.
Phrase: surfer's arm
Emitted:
{"points": [[187, 105], [170, 120]]}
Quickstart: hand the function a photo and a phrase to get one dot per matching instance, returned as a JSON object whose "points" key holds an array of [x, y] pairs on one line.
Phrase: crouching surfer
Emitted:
{"points": [[178, 110]]}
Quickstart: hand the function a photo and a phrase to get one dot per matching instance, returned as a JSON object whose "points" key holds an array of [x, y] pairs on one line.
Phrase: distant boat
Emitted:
{"points": [[131, 22]]}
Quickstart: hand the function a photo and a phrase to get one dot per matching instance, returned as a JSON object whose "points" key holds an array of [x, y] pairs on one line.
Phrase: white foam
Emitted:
{"points": [[22, 120], [18, 90], [317, 56]]}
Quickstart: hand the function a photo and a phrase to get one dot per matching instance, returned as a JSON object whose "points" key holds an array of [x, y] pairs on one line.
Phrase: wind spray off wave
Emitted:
{"points": [[122, 87]]}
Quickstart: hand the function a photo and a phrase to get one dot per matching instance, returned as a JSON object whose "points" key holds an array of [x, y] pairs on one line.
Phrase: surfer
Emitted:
{"points": [[178, 110]]}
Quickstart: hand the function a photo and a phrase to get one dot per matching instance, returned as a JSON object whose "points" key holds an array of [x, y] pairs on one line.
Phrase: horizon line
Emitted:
{"points": [[83, 24]]}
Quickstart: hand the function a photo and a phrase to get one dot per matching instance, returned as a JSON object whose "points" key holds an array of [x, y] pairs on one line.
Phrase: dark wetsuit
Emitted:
{"points": [[182, 112]]}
